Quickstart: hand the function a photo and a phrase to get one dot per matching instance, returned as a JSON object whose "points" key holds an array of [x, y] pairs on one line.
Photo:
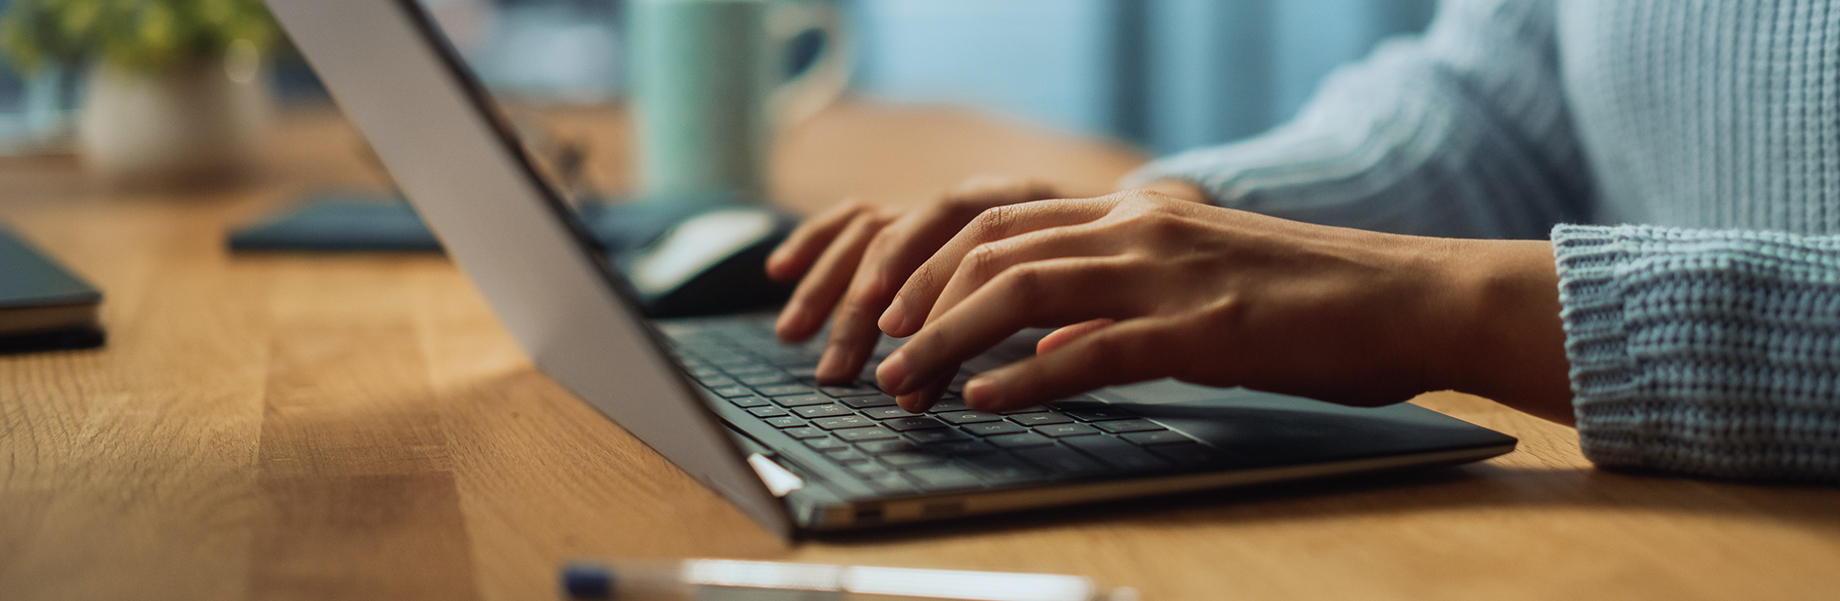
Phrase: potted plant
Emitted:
{"points": [[174, 90]]}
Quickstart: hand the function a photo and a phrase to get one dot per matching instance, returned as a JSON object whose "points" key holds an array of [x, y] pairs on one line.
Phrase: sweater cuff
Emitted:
{"points": [[1605, 378]]}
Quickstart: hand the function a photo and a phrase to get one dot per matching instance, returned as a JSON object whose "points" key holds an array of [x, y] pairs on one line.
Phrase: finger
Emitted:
{"points": [[915, 300], [805, 244], [853, 337], [926, 397], [818, 292], [1136, 350], [989, 260], [891, 256], [1061, 337], [1040, 294]]}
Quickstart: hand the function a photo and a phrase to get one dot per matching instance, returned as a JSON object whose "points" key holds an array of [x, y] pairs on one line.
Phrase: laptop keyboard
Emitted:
{"points": [[947, 448]]}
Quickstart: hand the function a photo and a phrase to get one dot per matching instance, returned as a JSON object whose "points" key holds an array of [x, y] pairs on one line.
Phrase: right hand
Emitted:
{"points": [[856, 256]]}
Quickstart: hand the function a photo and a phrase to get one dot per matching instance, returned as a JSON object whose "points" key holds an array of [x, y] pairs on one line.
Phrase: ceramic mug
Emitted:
{"points": [[713, 79]]}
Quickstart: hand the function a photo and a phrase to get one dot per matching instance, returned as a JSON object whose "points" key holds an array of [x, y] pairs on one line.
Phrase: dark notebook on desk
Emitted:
{"points": [[42, 305]]}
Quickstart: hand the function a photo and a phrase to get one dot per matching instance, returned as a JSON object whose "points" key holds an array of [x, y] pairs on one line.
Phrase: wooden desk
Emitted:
{"points": [[359, 427]]}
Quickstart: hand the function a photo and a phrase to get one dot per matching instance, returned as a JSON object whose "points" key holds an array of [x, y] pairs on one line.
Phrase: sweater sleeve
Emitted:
{"points": [[1461, 132], [1713, 353]]}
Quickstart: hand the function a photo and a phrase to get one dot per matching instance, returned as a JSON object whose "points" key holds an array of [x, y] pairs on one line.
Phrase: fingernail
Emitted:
{"points": [[892, 375], [891, 319], [980, 393]]}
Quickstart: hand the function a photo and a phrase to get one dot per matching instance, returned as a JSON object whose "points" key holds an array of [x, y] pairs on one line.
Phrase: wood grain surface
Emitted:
{"points": [[295, 426]]}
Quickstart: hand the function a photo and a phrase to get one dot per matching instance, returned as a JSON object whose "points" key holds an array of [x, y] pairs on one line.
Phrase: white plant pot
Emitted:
{"points": [[200, 124]]}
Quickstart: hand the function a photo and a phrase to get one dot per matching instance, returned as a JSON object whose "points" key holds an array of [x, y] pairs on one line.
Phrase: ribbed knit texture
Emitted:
{"points": [[1710, 346]]}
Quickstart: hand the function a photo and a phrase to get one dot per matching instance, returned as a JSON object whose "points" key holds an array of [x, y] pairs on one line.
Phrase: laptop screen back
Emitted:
{"points": [[439, 135]]}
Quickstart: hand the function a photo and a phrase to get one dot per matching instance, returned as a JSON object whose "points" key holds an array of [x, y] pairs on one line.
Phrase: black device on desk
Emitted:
{"points": [[684, 255], [42, 305]]}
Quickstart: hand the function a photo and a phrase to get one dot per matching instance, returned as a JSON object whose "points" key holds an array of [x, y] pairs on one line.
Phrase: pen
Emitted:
{"points": [[726, 580]]}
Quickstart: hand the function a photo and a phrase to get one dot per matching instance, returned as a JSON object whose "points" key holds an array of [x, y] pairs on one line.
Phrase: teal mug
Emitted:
{"points": [[713, 80]]}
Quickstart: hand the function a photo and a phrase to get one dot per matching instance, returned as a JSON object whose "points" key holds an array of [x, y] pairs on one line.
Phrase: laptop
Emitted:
{"points": [[736, 409]]}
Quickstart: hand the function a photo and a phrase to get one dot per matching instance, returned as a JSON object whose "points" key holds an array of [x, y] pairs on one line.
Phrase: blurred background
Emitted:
{"points": [[1161, 74]]}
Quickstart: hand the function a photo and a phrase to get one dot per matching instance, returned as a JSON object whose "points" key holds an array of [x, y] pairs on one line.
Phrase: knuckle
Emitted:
{"points": [[981, 262], [1024, 284], [991, 222]]}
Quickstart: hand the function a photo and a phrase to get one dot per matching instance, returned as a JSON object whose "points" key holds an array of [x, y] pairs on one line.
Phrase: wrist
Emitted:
{"points": [[1506, 340]]}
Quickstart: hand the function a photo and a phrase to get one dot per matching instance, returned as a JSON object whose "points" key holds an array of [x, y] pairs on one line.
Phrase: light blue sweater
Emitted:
{"points": [[1705, 341]]}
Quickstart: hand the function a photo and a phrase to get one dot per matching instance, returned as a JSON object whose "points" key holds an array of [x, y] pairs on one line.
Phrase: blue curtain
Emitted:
{"points": [[1165, 74]]}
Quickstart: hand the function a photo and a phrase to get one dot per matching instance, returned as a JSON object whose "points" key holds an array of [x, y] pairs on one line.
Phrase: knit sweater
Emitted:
{"points": [[1705, 341]]}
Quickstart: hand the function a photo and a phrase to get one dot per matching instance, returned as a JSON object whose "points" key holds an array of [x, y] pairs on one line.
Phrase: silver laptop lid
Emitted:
{"points": [[439, 135]]}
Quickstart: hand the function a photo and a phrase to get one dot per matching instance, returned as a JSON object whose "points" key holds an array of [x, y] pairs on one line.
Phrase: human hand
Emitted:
{"points": [[1148, 287], [860, 254]]}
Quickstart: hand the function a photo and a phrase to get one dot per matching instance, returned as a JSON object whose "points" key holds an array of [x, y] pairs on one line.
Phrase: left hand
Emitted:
{"points": [[1147, 287]]}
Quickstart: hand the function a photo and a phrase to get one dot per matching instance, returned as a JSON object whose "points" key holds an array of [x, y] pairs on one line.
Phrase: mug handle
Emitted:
{"points": [[795, 29]]}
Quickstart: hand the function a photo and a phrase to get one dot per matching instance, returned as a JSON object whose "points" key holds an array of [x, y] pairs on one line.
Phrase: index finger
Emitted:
{"points": [[913, 304], [803, 246]]}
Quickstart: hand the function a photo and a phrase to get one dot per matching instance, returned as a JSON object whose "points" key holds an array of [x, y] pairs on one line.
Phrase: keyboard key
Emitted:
{"points": [[968, 417], [1003, 468], [890, 483], [865, 402], [908, 461], [937, 436], [703, 372], [1117, 453], [785, 422], [1066, 430], [843, 421], [1035, 409], [806, 432], [768, 411], [716, 381], [803, 400], [1128, 425], [751, 370], [826, 444], [847, 456], [817, 411], [994, 428], [1096, 413], [758, 380], [1025, 439], [866, 468], [730, 392], [748, 402], [949, 406], [887, 446], [1158, 437], [850, 391], [1061, 460], [1040, 419], [862, 434], [1187, 454], [914, 423], [945, 478], [886, 412], [784, 390], [962, 447]]}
